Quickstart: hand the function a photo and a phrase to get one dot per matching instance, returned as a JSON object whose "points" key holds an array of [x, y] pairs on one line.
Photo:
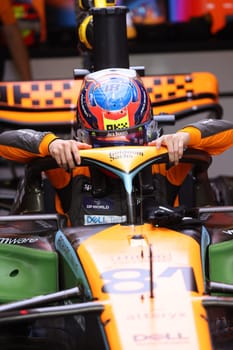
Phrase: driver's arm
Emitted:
{"points": [[25, 144], [213, 136]]}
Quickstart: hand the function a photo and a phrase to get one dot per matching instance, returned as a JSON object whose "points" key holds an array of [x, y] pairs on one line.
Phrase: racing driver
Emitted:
{"points": [[113, 109]]}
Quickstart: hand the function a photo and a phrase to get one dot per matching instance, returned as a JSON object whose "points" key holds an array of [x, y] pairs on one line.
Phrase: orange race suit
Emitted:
{"points": [[74, 195]]}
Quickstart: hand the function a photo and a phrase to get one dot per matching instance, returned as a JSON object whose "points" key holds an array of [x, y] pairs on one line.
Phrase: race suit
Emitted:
{"points": [[74, 195]]}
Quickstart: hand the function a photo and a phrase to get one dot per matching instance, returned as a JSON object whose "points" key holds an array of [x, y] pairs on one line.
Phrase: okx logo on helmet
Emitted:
{"points": [[114, 109]]}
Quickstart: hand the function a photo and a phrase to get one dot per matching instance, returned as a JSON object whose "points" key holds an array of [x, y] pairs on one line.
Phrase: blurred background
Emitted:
{"points": [[50, 25], [165, 36]]}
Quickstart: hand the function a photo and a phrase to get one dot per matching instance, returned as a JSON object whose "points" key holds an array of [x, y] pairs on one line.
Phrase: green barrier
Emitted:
{"points": [[26, 272], [221, 262]]}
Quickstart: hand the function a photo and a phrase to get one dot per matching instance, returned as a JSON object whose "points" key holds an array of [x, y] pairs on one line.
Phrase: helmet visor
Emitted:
{"points": [[139, 135]]}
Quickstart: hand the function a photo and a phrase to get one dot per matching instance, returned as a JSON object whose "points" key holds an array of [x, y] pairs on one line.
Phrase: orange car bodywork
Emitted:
{"points": [[150, 279], [117, 267]]}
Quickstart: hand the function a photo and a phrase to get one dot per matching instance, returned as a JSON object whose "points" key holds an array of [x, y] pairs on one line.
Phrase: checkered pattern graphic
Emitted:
{"points": [[117, 126], [53, 102], [58, 94], [44, 94], [165, 88], [55, 94]]}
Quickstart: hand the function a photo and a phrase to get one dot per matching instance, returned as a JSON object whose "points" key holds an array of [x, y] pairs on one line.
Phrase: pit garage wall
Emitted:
{"points": [[218, 62]]}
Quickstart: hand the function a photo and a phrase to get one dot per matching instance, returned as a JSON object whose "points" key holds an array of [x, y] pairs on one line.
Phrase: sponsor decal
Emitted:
{"points": [[124, 154], [103, 219], [179, 316], [87, 187], [100, 204], [126, 259], [18, 240], [144, 339], [117, 133], [122, 123]]}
